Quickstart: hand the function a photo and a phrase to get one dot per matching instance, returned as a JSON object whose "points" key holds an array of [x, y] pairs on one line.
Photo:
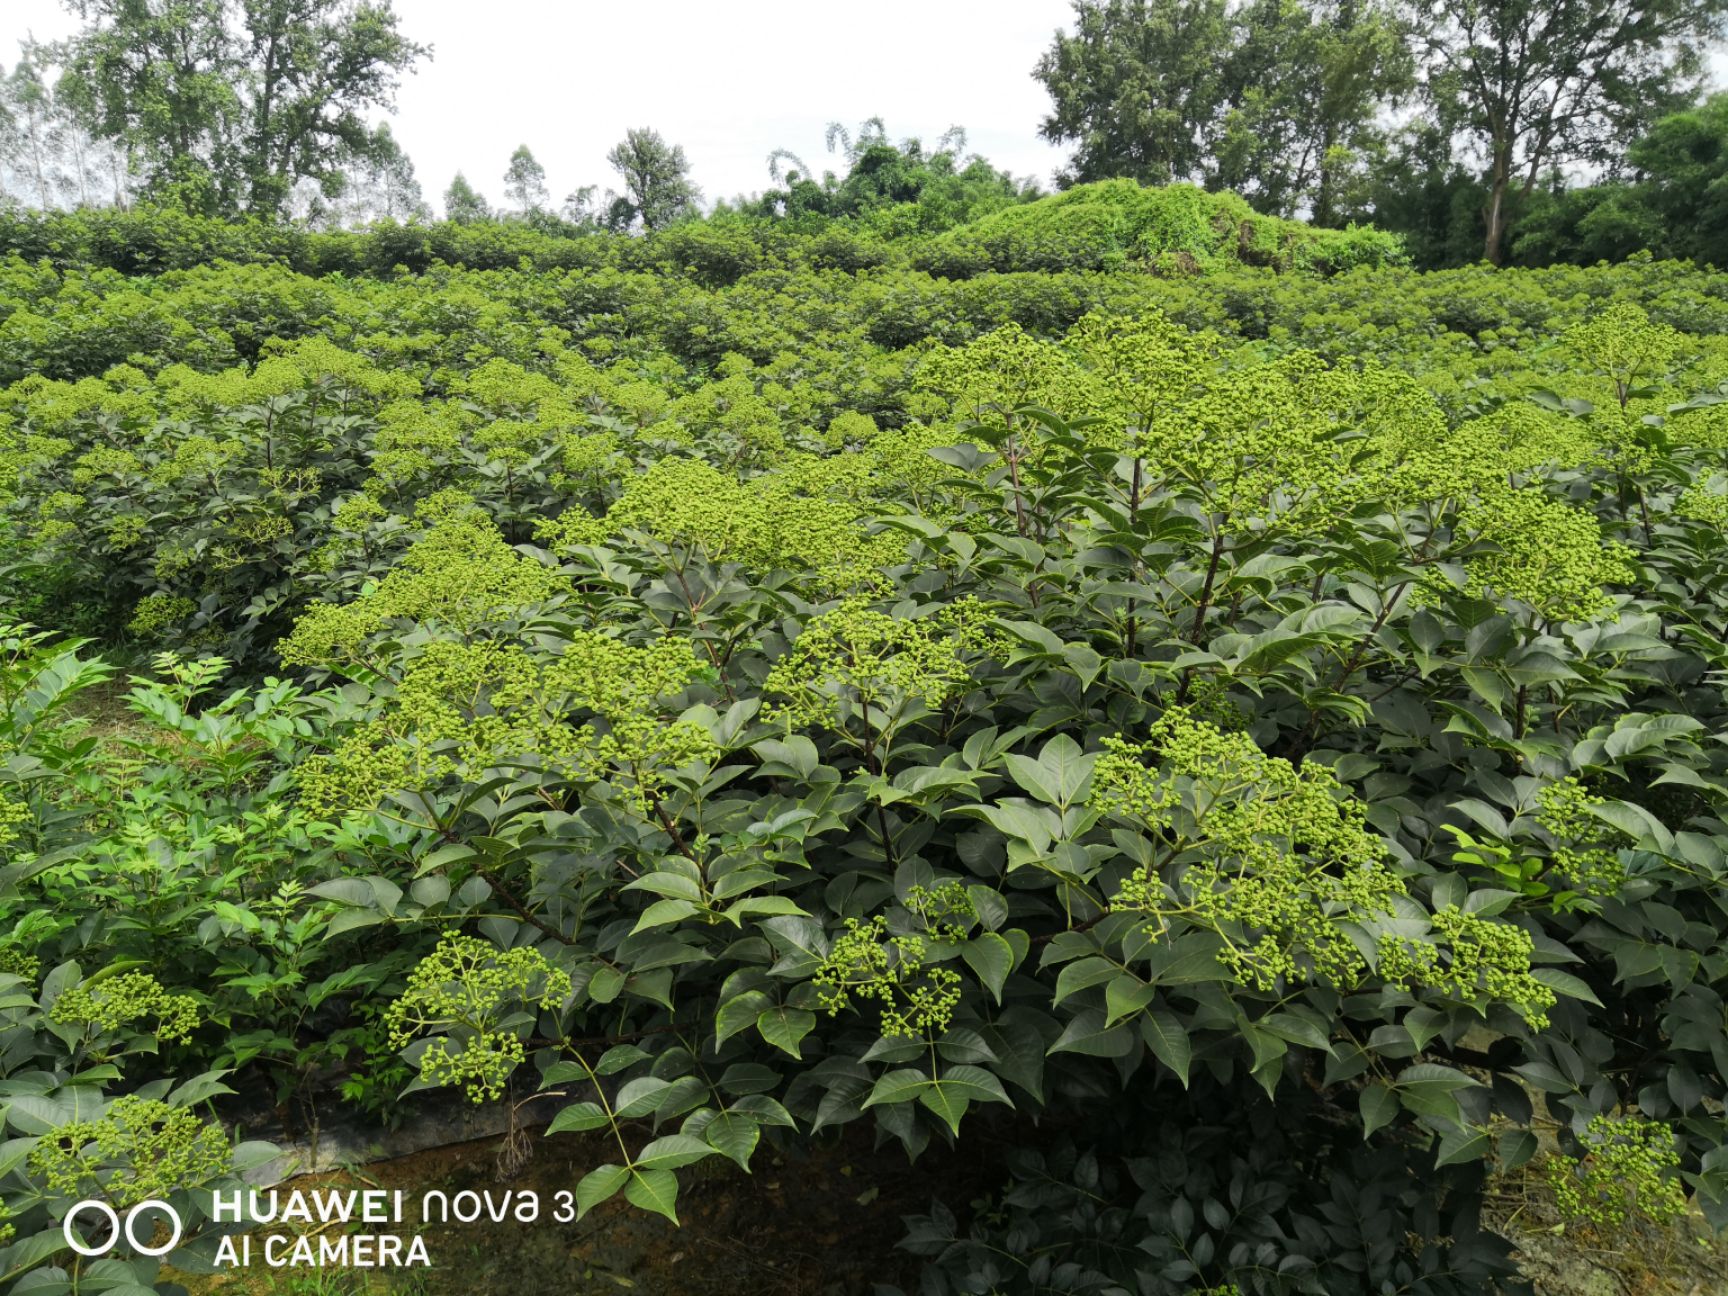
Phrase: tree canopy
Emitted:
{"points": [[525, 181], [229, 104], [1537, 84], [1296, 104], [944, 185], [462, 202], [1276, 99], [656, 175]]}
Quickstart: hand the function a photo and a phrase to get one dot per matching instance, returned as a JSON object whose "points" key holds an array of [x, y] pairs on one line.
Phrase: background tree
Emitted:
{"points": [[47, 159], [935, 189], [32, 136], [580, 207], [1276, 99], [587, 212], [1544, 84], [462, 202], [1683, 166], [525, 181], [316, 68], [1304, 87], [231, 103], [657, 184], [1674, 202], [1137, 88], [392, 172], [160, 80], [381, 186], [1418, 187]]}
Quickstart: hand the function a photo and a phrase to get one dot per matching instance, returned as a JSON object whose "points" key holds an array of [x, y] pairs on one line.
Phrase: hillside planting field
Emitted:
{"points": [[1172, 692]]}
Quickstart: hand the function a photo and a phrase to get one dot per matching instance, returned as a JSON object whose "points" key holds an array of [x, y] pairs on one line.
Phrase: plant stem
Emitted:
{"points": [[1205, 602]]}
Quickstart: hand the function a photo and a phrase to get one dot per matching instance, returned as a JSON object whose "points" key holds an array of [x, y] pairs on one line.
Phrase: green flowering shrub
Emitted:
{"points": [[140, 1149], [852, 658], [866, 963], [1177, 229], [1287, 878], [472, 994], [106, 1005], [461, 709], [1624, 1167], [1549, 556], [765, 523], [74, 1140], [1586, 854]]}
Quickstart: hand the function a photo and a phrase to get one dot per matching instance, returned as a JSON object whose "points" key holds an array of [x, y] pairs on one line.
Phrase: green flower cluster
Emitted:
{"points": [[1702, 503], [14, 815], [1625, 345], [686, 501], [140, 1149], [917, 1000], [627, 688], [902, 467], [461, 709], [120, 396], [199, 458], [311, 367], [946, 911], [314, 363], [732, 410], [105, 461], [17, 961], [55, 514], [1266, 444], [157, 612], [1705, 427], [461, 575], [1483, 454], [1585, 854], [574, 526], [767, 522], [354, 513], [1481, 961], [1546, 554], [469, 992], [414, 442], [590, 459], [519, 412], [1630, 1167], [1008, 368], [1268, 856], [854, 659], [1286, 873], [1148, 367], [120, 1000]]}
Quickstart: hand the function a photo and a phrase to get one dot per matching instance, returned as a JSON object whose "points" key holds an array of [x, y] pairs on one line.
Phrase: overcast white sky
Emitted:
{"points": [[728, 81]]}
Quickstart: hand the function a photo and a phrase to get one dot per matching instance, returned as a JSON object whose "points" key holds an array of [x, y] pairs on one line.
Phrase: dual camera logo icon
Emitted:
{"points": [[127, 1227]]}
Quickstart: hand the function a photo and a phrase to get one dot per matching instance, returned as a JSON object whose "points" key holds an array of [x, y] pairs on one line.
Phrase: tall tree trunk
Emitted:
{"points": [[39, 171], [1323, 199], [261, 147], [81, 170], [1499, 190]]}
